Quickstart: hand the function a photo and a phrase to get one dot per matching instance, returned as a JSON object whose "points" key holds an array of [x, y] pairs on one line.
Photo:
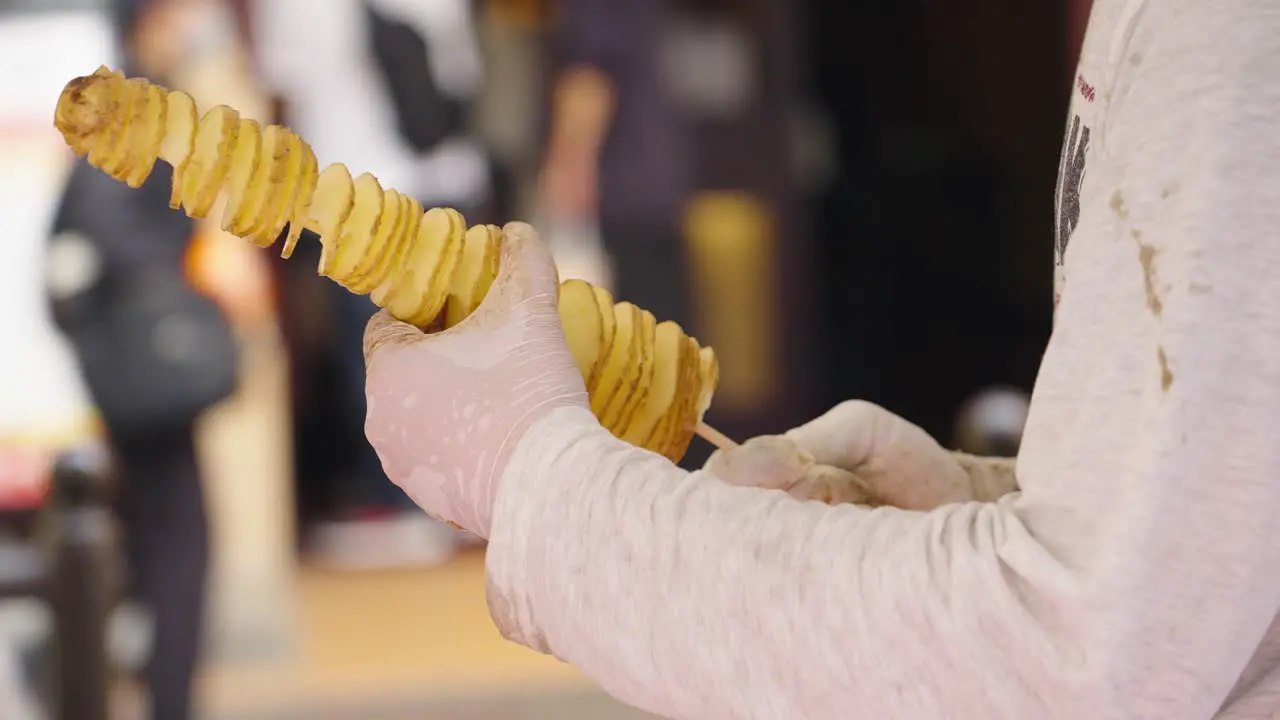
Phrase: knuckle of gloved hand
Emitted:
{"points": [[383, 331], [855, 413], [830, 428]]}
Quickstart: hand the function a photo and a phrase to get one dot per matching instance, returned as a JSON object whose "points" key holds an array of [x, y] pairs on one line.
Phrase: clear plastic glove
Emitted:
{"points": [[447, 409], [859, 452]]}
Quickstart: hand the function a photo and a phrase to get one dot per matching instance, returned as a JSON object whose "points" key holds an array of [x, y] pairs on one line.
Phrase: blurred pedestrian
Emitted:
{"points": [[155, 354], [386, 87], [618, 149], [670, 129]]}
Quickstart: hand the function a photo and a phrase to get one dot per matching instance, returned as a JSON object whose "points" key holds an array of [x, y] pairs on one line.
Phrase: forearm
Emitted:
{"points": [[695, 599], [582, 110]]}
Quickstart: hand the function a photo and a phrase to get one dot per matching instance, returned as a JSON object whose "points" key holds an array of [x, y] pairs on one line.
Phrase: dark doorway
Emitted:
{"points": [[936, 236]]}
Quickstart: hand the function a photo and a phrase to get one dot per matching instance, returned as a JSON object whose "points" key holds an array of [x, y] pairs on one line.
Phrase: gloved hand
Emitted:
{"points": [[859, 452], [445, 410]]}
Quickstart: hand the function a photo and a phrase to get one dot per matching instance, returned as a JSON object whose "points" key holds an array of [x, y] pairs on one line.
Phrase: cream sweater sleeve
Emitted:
{"points": [[1132, 576]]}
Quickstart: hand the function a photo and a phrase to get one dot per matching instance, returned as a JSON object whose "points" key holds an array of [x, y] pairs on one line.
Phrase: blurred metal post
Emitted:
{"points": [[80, 588]]}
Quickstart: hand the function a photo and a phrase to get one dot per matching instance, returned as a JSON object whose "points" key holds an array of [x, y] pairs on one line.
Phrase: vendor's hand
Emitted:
{"points": [[856, 452], [447, 409]]}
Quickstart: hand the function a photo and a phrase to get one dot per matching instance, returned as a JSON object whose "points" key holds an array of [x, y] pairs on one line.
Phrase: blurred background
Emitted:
{"points": [[846, 198]]}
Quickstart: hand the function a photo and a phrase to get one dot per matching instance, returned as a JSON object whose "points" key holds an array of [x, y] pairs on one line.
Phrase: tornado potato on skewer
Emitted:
{"points": [[649, 382]]}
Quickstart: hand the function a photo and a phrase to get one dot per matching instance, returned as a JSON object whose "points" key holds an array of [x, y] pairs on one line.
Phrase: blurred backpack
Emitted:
{"points": [[426, 113], [155, 352]]}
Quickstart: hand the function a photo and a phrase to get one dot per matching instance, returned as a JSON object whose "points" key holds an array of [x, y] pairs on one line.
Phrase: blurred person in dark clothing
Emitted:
{"points": [[618, 150], [106, 264], [390, 94], [155, 354], [670, 126]]}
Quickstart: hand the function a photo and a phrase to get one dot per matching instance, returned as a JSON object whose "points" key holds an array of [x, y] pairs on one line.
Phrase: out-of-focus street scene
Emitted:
{"points": [[845, 199]]}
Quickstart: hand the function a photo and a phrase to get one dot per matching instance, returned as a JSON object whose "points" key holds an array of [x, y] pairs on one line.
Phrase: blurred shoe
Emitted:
{"points": [[16, 697], [130, 634], [379, 539], [25, 631]]}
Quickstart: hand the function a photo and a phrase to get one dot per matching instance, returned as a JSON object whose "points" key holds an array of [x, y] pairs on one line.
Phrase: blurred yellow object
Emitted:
{"points": [[86, 426], [732, 249], [529, 14]]}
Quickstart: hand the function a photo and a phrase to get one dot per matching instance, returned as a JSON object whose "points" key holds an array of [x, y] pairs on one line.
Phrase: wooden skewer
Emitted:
{"points": [[715, 437]]}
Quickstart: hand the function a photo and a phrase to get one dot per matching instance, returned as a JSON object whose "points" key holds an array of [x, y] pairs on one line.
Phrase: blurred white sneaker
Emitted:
{"points": [[383, 541]]}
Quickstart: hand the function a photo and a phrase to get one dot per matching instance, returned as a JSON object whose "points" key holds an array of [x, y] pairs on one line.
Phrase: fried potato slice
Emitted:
{"points": [[607, 333], [435, 291], [357, 231], [644, 377], [244, 164], [387, 233], [475, 273], [115, 105], [583, 326], [82, 107], [397, 248], [408, 291], [134, 116], [383, 234], [621, 351], [627, 354], [206, 168], [265, 184], [125, 157], [331, 206], [301, 210], [179, 143], [284, 192], [684, 420], [148, 137], [665, 435], [669, 348], [709, 377], [408, 219]]}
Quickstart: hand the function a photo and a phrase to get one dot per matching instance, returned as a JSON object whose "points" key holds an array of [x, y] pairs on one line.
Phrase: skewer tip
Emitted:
{"points": [[715, 437]]}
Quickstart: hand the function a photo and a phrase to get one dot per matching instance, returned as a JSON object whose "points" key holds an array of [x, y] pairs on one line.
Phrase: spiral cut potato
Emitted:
{"points": [[649, 382]]}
